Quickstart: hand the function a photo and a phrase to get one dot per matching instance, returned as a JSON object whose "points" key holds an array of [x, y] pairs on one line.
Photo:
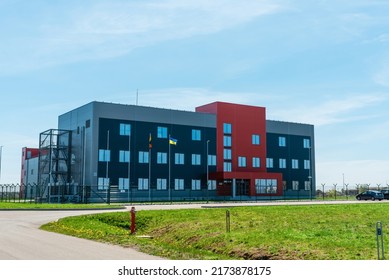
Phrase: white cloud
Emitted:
{"points": [[333, 111], [112, 29]]}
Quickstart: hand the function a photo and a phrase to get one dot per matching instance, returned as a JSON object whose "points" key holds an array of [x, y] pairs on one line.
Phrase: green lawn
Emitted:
{"points": [[53, 206], [324, 232]]}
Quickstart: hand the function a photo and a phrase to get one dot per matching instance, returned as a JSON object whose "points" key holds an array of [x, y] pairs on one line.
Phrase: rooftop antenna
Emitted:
{"points": [[137, 96]]}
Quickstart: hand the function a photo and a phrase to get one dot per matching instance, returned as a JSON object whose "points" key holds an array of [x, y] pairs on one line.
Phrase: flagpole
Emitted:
{"points": [[106, 170], [150, 170], [129, 164], [169, 167]]}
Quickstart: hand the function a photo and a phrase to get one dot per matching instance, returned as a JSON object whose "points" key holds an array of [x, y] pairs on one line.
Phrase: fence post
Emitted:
{"points": [[228, 221], [133, 220], [380, 241]]}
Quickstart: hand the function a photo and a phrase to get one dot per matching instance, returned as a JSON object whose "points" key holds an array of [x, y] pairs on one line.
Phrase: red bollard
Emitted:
{"points": [[133, 220]]}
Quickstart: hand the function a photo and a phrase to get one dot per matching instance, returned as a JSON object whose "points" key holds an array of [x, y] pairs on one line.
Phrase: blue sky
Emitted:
{"points": [[320, 62]]}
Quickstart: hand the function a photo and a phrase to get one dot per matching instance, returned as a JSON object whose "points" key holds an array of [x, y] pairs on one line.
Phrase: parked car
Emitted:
{"points": [[386, 194], [373, 195]]}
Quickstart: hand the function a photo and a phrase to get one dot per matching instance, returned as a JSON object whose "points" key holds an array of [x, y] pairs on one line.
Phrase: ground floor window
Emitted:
{"points": [[102, 183], [212, 185], [161, 184], [179, 184], [307, 185], [143, 184], [123, 184], [196, 185], [264, 186]]}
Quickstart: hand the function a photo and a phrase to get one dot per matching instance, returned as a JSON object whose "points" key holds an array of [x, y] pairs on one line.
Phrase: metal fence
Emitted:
{"points": [[34, 193]]}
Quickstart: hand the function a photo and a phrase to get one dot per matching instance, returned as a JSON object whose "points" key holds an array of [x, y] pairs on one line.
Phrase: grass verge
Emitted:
{"points": [[324, 232]]}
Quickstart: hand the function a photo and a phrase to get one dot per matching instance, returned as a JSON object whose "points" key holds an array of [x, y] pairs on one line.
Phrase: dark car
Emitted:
{"points": [[367, 195], [386, 194]]}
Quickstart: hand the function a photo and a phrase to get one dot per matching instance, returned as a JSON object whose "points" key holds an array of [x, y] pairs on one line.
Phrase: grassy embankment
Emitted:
{"points": [[325, 232]]}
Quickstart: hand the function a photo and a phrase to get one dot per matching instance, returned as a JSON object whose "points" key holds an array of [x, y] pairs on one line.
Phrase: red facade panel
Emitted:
{"points": [[246, 122]]}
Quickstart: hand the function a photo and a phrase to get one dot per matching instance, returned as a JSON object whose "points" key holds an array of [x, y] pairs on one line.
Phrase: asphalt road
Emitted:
{"points": [[21, 238]]}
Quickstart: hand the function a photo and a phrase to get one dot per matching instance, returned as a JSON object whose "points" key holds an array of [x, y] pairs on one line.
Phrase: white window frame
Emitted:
{"points": [[295, 164], [104, 155], [123, 184], [227, 141], [282, 163], [124, 156], [256, 162], [242, 162], [227, 128], [143, 184], [125, 129], [211, 160], [179, 158], [196, 135], [161, 158], [102, 183], [256, 139], [162, 132], [196, 185], [196, 159], [269, 163], [282, 141], [179, 184], [212, 185], [161, 184], [143, 157]]}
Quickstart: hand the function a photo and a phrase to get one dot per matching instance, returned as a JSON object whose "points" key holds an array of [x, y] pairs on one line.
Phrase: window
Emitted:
{"points": [[196, 185], [161, 132], [212, 185], [123, 184], [161, 184], [196, 159], [307, 164], [256, 140], [227, 128], [307, 143], [104, 155], [196, 135], [179, 184], [102, 184], [269, 163], [211, 160], [256, 162], [242, 161], [295, 163], [227, 141], [162, 158], [143, 184], [227, 167], [281, 141], [179, 158], [143, 157], [307, 185], [263, 186], [227, 154], [295, 185], [125, 129], [282, 163], [124, 156]]}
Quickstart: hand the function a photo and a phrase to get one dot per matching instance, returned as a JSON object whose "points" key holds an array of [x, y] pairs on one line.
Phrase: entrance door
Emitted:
{"points": [[242, 186]]}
